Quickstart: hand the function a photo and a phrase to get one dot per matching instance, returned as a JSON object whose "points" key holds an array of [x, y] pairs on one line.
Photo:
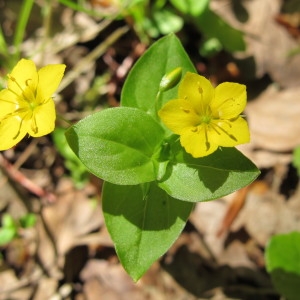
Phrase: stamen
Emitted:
{"points": [[34, 125], [24, 96], [228, 134], [214, 128], [19, 130], [8, 101], [203, 107], [16, 82], [12, 114], [200, 90], [207, 143], [228, 123]]}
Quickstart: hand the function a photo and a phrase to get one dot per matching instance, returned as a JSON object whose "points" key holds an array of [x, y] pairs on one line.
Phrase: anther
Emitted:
{"points": [[11, 77], [200, 90], [187, 111]]}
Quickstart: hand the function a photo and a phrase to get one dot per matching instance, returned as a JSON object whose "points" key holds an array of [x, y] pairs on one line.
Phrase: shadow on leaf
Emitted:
{"points": [[146, 205]]}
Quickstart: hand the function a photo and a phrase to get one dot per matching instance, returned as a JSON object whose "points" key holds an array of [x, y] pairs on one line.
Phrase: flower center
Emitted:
{"points": [[29, 96], [206, 119]]}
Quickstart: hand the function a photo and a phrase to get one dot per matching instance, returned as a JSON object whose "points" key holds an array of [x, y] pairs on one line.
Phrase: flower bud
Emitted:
{"points": [[170, 80]]}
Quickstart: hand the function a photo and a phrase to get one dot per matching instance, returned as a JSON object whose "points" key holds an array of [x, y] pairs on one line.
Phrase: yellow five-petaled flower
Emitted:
{"points": [[207, 117], [26, 105]]}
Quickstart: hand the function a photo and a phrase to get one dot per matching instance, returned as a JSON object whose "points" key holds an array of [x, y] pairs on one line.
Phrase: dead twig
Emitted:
{"points": [[17, 176]]}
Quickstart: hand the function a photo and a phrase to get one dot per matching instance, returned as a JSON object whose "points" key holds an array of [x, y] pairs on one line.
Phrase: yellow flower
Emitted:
{"points": [[207, 117], [26, 105]]}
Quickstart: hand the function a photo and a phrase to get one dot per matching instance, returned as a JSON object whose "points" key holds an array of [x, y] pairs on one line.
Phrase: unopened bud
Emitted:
{"points": [[170, 80]]}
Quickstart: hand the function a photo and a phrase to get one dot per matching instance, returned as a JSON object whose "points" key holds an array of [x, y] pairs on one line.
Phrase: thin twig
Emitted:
{"points": [[19, 177], [92, 56]]}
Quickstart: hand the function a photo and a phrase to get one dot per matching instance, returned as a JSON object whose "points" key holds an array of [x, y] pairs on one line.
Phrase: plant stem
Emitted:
{"points": [[21, 26], [3, 45]]}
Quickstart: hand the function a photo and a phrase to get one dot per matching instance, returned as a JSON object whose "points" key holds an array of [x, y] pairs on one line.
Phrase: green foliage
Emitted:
{"points": [[163, 17], [283, 263], [10, 226], [28, 220], [216, 175], [146, 170], [163, 57], [118, 144], [19, 32], [143, 221], [191, 7], [296, 159], [8, 229], [79, 173], [212, 26], [153, 19], [210, 47]]}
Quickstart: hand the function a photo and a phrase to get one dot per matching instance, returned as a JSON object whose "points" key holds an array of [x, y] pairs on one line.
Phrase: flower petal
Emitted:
{"points": [[230, 100], [43, 119], [24, 74], [178, 115], [11, 132], [196, 89], [8, 103], [229, 133], [49, 79], [197, 143]]}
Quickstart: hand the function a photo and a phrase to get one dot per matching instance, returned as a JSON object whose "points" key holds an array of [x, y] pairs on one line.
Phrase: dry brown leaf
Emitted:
{"points": [[274, 126], [267, 41], [267, 214], [73, 216], [206, 218], [274, 120]]}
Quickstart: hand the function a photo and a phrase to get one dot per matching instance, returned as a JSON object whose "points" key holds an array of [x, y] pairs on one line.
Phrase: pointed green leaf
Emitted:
{"points": [[143, 222], [207, 178], [142, 84], [117, 144]]}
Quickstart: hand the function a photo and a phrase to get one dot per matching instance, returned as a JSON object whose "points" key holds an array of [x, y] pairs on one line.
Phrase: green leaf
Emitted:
{"points": [[8, 230], [214, 26], [78, 170], [283, 251], [283, 263], [142, 84], [296, 159], [192, 7], [118, 144], [167, 22], [207, 178], [27, 221], [143, 222], [8, 221], [210, 47], [7, 235]]}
